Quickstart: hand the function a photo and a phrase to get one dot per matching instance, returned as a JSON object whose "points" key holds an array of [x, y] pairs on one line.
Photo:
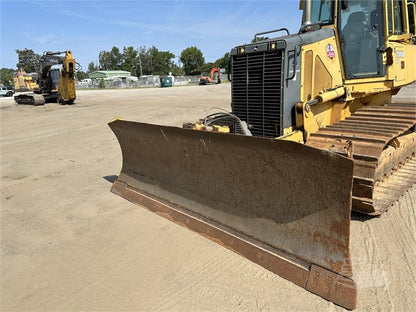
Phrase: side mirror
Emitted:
{"points": [[389, 56], [344, 4]]}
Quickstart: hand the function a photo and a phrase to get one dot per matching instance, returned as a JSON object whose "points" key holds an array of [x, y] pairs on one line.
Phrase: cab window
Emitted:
{"points": [[394, 17], [322, 11], [362, 37]]}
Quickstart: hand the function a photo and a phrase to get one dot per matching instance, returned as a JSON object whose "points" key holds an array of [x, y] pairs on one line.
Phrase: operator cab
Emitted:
{"points": [[361, 30], [362, 39]]}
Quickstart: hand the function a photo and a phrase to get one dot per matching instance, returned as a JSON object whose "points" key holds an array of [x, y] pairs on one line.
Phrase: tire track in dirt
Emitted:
{"points": [[382, 266]]}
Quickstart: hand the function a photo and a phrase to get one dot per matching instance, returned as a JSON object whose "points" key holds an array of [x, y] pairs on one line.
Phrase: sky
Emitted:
{"points": [[90, 26]]}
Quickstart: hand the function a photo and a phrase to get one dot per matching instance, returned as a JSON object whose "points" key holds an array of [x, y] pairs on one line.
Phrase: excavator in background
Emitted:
{"points": [[55, 85], [313, 134], [213, 77], [23, 81]]}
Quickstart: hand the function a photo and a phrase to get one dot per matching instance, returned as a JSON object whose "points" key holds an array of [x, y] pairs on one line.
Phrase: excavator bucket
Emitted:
{"points": [[281, 204]]}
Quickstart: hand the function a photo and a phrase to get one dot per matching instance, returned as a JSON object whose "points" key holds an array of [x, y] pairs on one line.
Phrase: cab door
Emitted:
{"points": [[362, 38]]}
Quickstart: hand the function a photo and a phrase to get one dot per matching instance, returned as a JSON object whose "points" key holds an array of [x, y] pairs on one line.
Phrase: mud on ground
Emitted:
{"points": [[67, 243]]}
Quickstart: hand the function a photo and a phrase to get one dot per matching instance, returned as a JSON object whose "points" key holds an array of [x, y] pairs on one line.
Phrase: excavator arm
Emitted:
{"points": [[66, 87], [213, 71]]}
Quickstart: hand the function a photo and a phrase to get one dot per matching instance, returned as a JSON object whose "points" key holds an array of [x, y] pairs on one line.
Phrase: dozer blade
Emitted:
{"points": [[281, 204]]}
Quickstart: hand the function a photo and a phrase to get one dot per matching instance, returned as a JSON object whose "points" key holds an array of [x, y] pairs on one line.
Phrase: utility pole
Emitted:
{"points": [[140, 63]]}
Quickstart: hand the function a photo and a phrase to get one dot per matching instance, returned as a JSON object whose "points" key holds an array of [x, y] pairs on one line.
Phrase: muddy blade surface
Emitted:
{"points": [[283, 205]]}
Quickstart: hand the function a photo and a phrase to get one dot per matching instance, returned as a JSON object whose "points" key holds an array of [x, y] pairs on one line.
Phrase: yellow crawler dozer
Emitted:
{"points": [[313, 134]]}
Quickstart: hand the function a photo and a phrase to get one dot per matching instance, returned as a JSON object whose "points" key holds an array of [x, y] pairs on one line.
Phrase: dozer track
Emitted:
{"points": [[382, 142]]}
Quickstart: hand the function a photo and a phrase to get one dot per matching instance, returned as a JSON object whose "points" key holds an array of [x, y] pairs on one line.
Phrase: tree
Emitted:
{"points": [[110, 60], [206, 67], [162, 61], [6, 76], [130, 60], [223, 62], [192, 59], [176, 70], [145, 61], [141, 61], [92, 67], [101, 83], [155, 62], [28, 60], [80, 75]]}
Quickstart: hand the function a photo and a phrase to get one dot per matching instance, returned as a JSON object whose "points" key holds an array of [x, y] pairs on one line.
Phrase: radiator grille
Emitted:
{"points": [[256, 91]]}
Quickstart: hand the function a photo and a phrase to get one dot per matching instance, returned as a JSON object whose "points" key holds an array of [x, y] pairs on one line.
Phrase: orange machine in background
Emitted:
{"points": [[215, 73]]}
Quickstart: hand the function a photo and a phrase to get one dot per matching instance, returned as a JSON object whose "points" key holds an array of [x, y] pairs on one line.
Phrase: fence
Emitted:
{"points": [[149, 81]]}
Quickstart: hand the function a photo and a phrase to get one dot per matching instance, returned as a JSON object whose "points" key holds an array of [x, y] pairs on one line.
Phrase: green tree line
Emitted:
{"points": [[140, 61], [152, 61]]}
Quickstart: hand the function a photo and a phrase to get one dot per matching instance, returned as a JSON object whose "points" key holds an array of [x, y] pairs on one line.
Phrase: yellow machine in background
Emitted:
{"points": [[23, 81], [55, 85], [313, 134]]}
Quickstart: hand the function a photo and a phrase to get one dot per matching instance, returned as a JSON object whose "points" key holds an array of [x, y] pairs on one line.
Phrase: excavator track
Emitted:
{"points": [[382, 142], [30, 99]]}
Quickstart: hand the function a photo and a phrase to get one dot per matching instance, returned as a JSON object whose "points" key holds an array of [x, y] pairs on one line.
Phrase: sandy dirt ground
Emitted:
{"points": [[69, 244]]}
